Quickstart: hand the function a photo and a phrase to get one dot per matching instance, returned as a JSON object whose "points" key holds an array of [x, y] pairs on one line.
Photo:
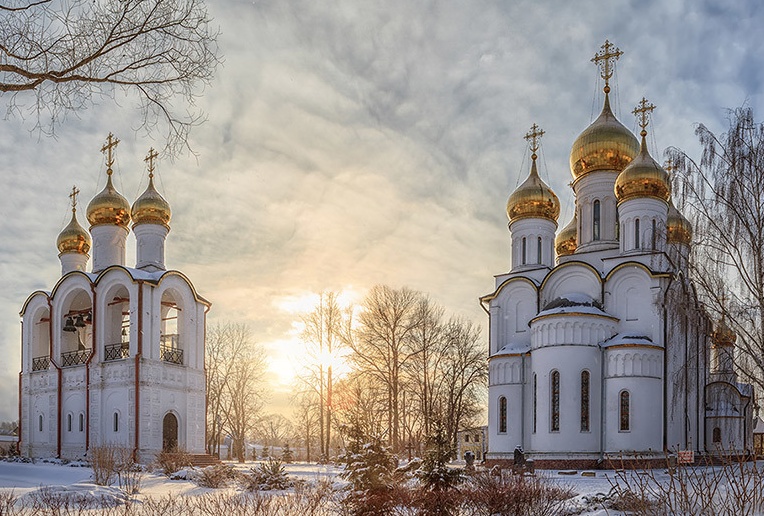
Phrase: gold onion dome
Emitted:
{"points": [[565, 243], [73, 238], [605, 145], [642, 178], [678, 228], [109, 207], [533, 198], [151, 207]]}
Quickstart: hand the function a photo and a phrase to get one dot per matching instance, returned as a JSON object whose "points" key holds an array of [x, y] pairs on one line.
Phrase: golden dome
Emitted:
{"points": [[605, 145], [678, 228], [73, 238], [109, 207], [723, 335], [533, 199], [151, 207], [643, 177], [565, 243]]}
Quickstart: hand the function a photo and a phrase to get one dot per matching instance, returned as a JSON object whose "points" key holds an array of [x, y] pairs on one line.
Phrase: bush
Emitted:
{"points": [[286, 454], [486, 493], [268, 475], [103, 460], [171, 461], [215, 476]]}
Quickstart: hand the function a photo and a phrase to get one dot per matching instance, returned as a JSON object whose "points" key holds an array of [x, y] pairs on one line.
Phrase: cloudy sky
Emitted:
{"points": [[353, 142]]}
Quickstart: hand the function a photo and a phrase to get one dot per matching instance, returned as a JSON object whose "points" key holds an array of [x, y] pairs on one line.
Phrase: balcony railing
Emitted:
{"points": [[73, 358], [41, 363], [169, 350], [117, 351]]}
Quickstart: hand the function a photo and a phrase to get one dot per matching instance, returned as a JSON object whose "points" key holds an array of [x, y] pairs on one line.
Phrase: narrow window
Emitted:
{"points": [[39, 423], [467, 438], [502, 415], [584, 401], [524, 249], [596, 221], [636, 234], [68, 422], [538, 259], [534, 403], [624, 412], [717, 435], [82, 422], [116, 421], [617, 226], [555, 400], [652, 237]]}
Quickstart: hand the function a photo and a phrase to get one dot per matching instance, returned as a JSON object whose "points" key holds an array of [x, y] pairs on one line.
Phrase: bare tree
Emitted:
{"points": [[66, 55], [322, 331], [236, 379], [306, 421], [382, 345], [723, 193], [274, 430]]}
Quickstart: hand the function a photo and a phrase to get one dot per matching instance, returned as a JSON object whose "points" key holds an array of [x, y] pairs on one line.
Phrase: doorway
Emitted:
{"points": [[170, 432]]}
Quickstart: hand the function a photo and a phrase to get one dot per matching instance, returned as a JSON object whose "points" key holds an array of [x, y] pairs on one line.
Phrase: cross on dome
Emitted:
{"points": [[605, 59], [150, 160], [111, 143], [73, 197], [533, 136], [642, 112]]}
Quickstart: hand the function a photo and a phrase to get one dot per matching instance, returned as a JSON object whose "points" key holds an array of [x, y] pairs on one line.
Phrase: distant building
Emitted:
{"points": [[598, 346], [472, 440], [114, 355]]}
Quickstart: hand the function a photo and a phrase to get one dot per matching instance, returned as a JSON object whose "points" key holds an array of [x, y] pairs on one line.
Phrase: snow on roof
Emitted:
{"points": [[722, 408], [574, 309], [627, 338], [513, 348]]}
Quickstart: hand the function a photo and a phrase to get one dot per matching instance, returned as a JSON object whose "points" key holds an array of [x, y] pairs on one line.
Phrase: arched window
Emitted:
{"points": [[502, 415], [596, 220], [68, 422], [535, 390], [624, 412], [636, 234], [717, 437], [82, 422], [39, 423], [652, 236], [525, 245], [585, 401], [538, 259], [617, 226], [555, 401], [116, 421]]}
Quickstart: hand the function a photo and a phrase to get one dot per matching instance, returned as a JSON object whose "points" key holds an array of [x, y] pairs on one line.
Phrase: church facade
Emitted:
{"points": [[114, 355], [599, 349]]}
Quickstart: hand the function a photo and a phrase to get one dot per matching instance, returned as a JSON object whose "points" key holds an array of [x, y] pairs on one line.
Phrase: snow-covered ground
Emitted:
{"points": [[24, 479]]}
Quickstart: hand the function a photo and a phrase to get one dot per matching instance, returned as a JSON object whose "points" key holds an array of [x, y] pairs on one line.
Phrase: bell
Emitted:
{"points": [[69, 326], [89, 318], [79, 322], [124, 332]]}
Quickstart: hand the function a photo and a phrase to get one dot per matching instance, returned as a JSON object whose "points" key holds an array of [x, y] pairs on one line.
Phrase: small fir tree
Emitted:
{"points": [[286, 454]]}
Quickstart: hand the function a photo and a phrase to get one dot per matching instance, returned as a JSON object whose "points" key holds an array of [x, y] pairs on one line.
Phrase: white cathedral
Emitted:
{"points": [[599, 349], [114, 355]]}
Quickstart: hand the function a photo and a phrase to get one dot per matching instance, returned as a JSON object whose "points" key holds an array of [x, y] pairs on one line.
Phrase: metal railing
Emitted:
{"points": [[116, 351], [41, 363], [73, 358], [169, 350]]}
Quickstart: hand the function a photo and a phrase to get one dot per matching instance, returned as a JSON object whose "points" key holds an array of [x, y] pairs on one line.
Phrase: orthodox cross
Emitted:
{"points": [[605, 59], [150, 160], [533, 136], [111, 142], [73, 197], [642, 112]]}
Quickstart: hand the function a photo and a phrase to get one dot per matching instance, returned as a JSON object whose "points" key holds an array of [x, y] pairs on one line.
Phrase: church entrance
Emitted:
{"points": [[169, 432]]}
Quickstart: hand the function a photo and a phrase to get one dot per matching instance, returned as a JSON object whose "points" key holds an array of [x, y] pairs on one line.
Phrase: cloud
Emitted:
{"points": [[352, 143]]}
